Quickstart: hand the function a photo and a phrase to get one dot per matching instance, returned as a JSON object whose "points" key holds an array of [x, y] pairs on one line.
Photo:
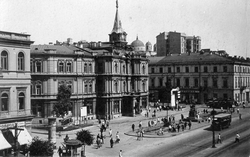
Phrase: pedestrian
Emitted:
{"points": [[240, 116], [237, 138], [182, 127], [111, 142], [102, 138], [107, 124], [110, 132], [178, 127], [133, 127], [238, 110], [117, 137], [60, 151], [182, 117], [189, 125], [120, 153], [219, 138], [185, 125], [66, 138]]}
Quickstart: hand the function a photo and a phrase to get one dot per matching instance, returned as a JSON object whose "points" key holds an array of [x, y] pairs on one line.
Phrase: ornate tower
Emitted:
{"points": [[118, 35]]}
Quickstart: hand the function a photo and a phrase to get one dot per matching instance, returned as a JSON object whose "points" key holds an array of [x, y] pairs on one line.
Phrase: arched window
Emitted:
{"points": [[69, 67], [90, 88], [143, 87], [143, 69], [85, 68], [61, 66], [116, 68], [124, 69], [38, 66], [20, 61], [124, 86], [86, 88], [90, 68], [38, 89], [21, 101], [4, 60], [116, 87], [4, 102]]}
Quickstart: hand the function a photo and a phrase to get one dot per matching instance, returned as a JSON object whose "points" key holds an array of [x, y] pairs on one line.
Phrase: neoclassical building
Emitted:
{"points": [[14, 87], [201, 76], [110, 78]]}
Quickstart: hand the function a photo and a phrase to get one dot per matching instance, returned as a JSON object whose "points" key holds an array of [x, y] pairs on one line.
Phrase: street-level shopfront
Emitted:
{"points": [[7, 136]]}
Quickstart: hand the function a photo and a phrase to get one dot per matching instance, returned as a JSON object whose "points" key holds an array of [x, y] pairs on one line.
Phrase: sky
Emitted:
{"points": [[221, 24]]}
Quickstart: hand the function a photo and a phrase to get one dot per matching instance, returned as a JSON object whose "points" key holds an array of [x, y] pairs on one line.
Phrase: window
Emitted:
{"points": [[116, 87], [38, 66], [4, 60], [205, 83], [143, 69], [161, 70], [178, 69], [215, 69], [90, 88], [124, 69], [215, 83], [21, 101], [196, 82], [86, 88], [4, 102], [143, 87], [187, 69], [160, 82], [124, 86], [205, 69], [224, 68], [178, 82], [116, 68], [169, 70], [187, 82], [225, 83], [89, 105], [61, 66], [20, 61], [225, 96], [153, 82], [69, 67], [90, 68], [31, 66], [196, 69], [38, 89], [153, 70], [85, 68]]}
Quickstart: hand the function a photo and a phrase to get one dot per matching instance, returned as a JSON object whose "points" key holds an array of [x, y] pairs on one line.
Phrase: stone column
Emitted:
{"points": [[52, 129]]}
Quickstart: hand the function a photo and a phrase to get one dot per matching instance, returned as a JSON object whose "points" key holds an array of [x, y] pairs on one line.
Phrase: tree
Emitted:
{"points": [[63, 100], [39, 147], [85, 137]]}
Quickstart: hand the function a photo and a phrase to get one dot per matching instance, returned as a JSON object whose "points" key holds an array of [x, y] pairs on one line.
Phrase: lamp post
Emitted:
{"points": [[213, 144]]}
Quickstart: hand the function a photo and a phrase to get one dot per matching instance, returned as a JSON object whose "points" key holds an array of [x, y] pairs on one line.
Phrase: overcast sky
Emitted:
{"points": [[221, 24]]}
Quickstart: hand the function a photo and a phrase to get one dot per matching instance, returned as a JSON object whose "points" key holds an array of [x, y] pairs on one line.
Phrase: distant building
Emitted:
{"points": [[201, 76], [176, 43], [14, 88]]}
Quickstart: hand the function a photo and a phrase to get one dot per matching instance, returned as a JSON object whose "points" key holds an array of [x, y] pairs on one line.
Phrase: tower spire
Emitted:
{"points": [[116, 4], [117, 28]]}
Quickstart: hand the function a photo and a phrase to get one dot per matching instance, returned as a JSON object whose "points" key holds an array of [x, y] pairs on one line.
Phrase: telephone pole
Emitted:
{"points": [[16, 149]]}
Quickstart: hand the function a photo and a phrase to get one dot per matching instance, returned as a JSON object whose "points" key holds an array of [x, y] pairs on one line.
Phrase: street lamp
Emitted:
{"points": [[213, 145]]}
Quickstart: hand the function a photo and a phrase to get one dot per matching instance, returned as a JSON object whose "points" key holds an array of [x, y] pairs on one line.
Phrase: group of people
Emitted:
{"points": [[237, 138]]}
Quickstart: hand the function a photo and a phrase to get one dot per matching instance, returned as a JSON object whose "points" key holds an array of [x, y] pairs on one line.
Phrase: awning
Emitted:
{"points": [[4, 144], [24, 137]]}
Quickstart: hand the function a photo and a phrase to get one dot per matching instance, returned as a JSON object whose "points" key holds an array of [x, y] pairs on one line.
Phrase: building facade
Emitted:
{"points": [[14, 84], [176, 43], [109, 78], [201, 76]]}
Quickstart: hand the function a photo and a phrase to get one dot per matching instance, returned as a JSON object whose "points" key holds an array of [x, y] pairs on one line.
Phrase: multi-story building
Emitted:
{"points": [[176, 43], [193, 44], [14, 86], [110, 78], [201, 76]]}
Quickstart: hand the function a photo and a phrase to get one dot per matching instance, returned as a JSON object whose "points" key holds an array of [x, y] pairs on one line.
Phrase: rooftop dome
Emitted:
{"points": [[148, 43], [137, 43]]}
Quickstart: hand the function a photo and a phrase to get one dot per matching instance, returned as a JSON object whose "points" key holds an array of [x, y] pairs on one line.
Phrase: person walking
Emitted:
{"points": [[120, 153], [60, 151], [111, 142], [219, 138], [237, 138], [133, 127], [189, 125]]}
